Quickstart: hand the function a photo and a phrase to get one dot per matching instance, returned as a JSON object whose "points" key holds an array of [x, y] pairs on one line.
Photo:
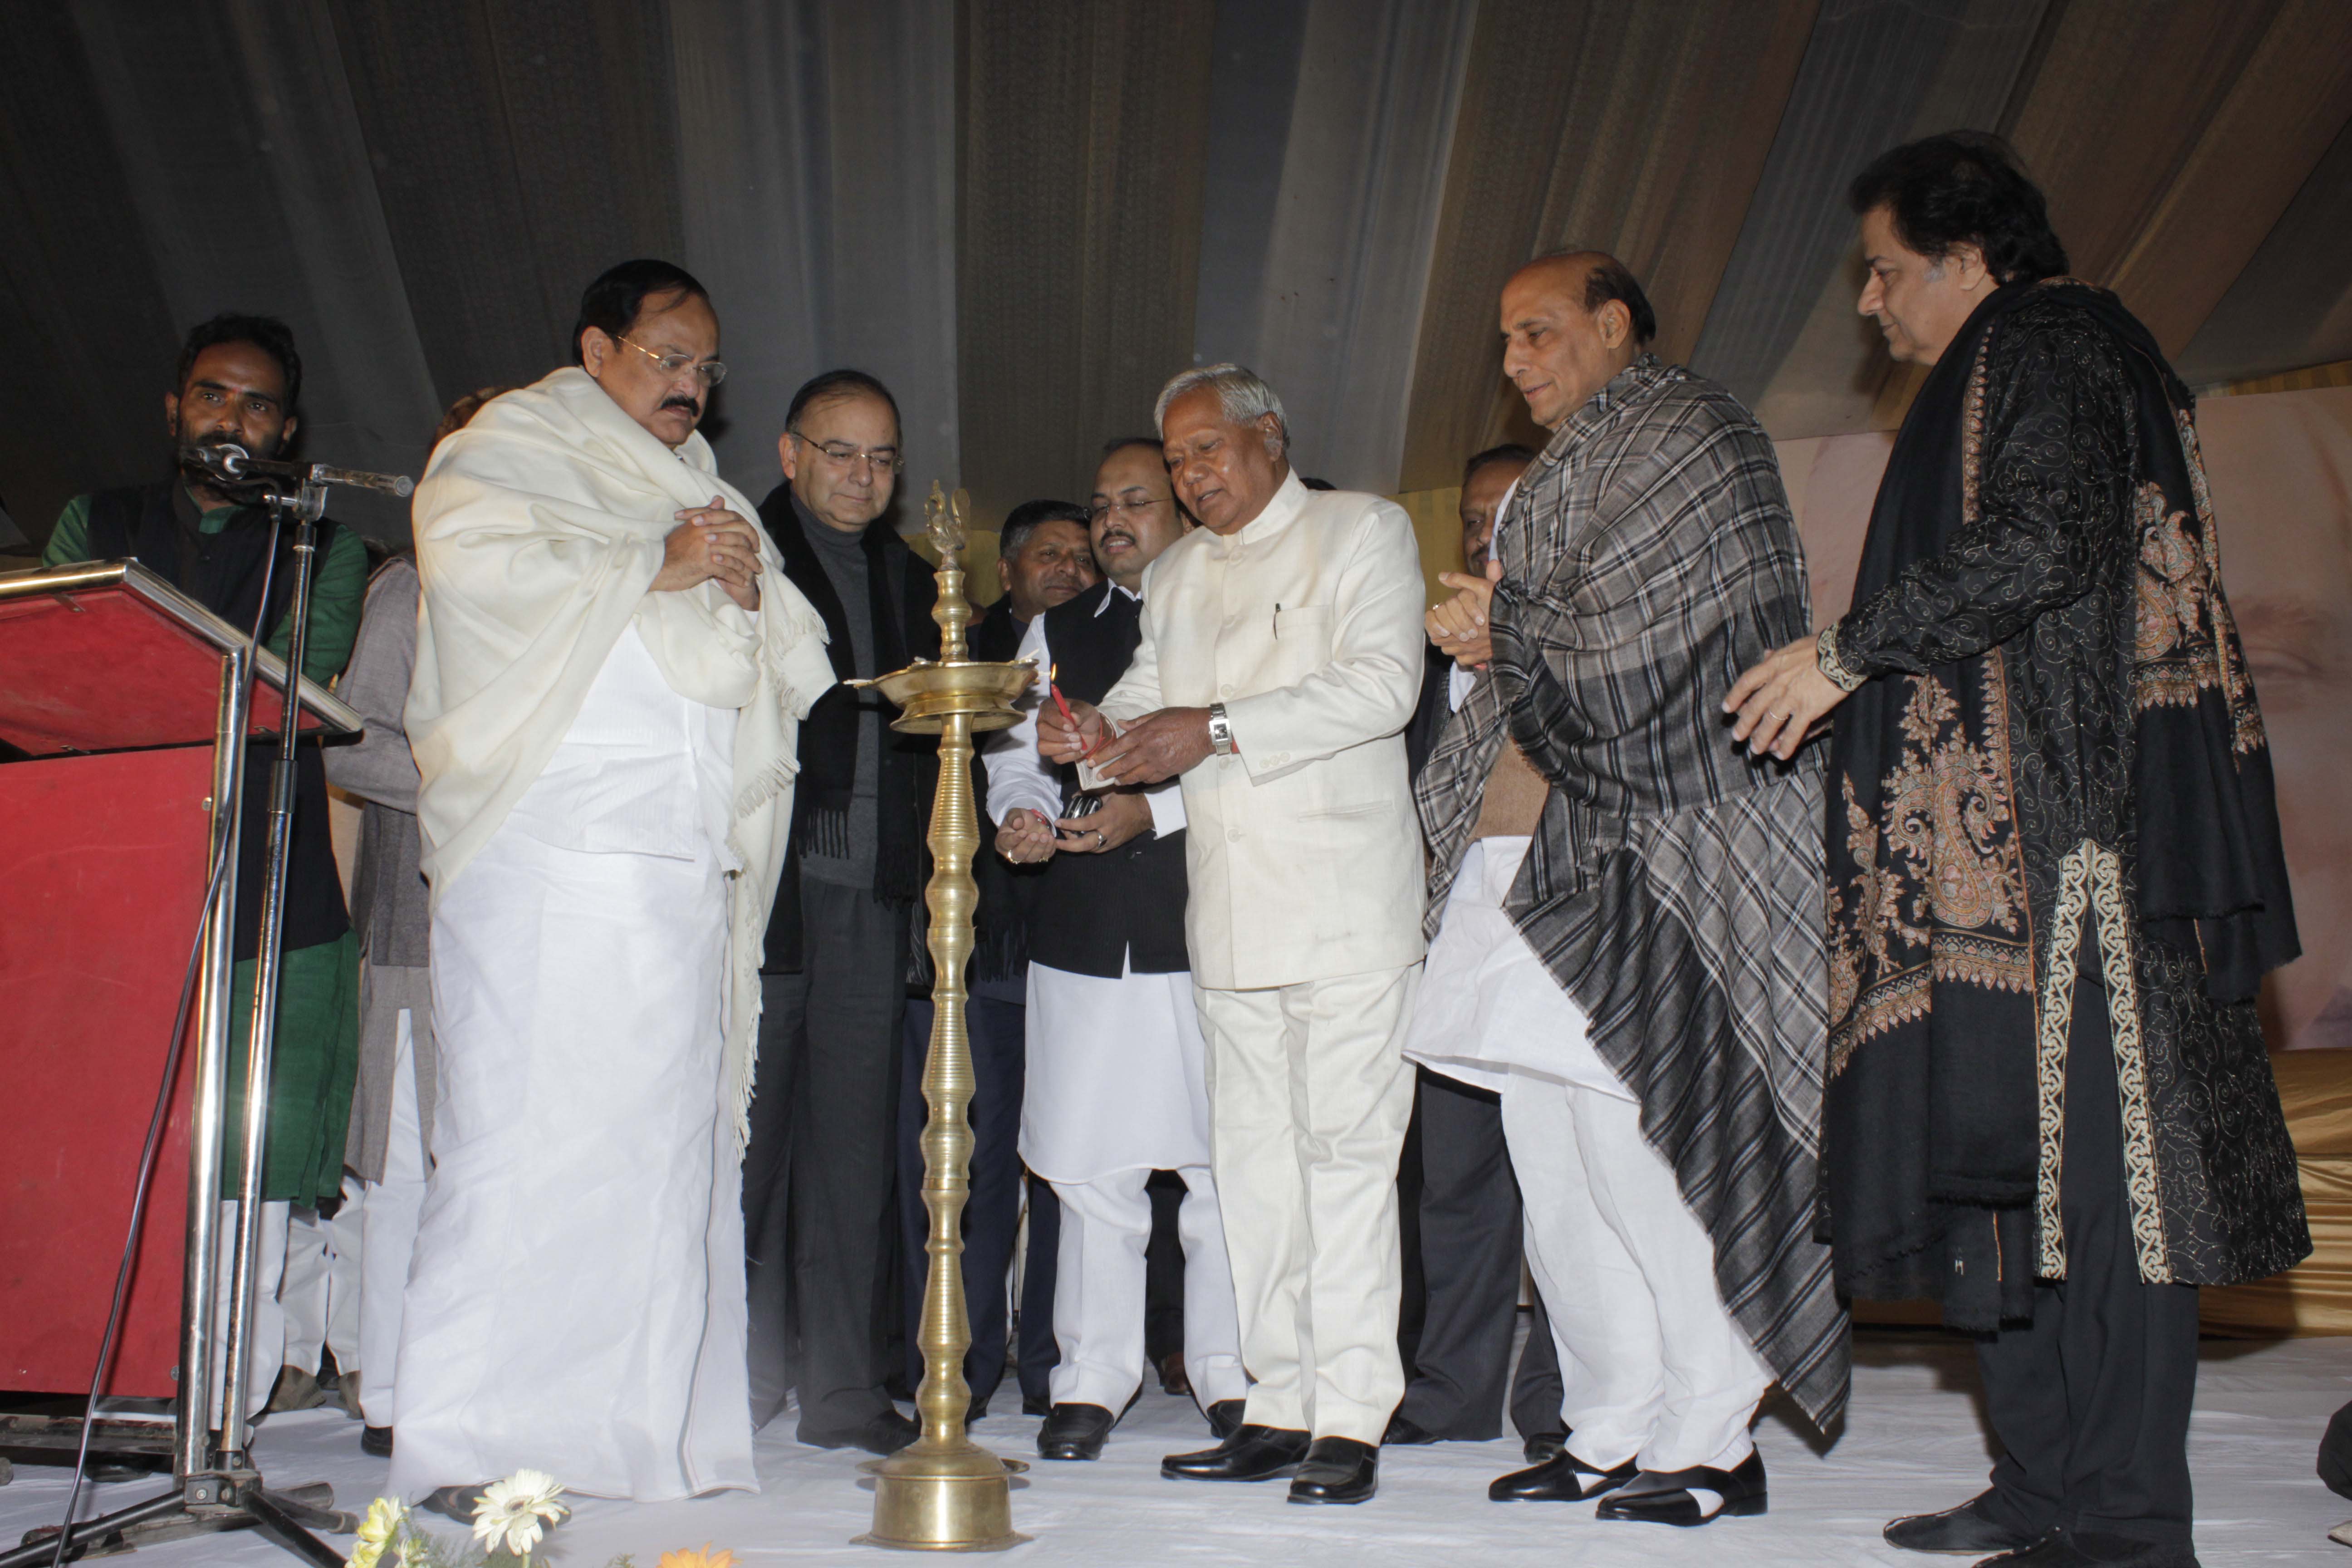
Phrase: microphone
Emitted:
{"points": [[232, 463]]}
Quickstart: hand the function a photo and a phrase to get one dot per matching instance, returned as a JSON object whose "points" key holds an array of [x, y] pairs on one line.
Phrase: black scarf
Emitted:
{"points": [[2211, 875], [899, 593]]}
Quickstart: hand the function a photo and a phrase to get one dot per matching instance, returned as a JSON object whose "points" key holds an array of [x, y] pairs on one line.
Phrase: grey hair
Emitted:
{"points": [[1240, 393]]}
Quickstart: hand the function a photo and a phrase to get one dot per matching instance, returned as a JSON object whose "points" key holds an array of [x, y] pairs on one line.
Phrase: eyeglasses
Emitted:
{"points": [[842, 454], [1128, 507], [710, 371]]}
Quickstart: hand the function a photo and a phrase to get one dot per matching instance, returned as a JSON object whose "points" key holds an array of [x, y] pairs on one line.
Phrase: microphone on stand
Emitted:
{"points": [[232, 463]]}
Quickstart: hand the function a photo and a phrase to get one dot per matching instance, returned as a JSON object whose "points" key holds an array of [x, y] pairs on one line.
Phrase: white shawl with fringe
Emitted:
{"points": [[539, 528]]}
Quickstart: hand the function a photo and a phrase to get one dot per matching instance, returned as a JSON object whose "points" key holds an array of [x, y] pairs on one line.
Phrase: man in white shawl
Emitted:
{"points": [[610, 674]]}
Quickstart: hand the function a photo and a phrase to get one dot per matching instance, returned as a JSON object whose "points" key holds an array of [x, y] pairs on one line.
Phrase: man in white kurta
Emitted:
{"points": [[610, 671], [1117, 1081], [1279, 663]]}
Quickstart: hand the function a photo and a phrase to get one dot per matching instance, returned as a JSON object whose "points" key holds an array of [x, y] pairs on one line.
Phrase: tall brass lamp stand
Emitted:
{"points": [[945, 1492]]}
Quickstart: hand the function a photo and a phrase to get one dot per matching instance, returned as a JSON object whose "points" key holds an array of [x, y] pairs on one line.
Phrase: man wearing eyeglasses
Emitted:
{"points": [[609, 668], [817, 1176]]}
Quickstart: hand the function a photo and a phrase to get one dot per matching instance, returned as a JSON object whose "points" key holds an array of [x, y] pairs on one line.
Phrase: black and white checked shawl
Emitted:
{"points": [[1674, 887]]}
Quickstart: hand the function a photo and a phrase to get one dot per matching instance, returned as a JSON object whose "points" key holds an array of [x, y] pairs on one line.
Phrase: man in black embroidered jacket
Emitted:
{"points": [[239, 377], [1043, 558], [2049, 1105], [818, 1173]]}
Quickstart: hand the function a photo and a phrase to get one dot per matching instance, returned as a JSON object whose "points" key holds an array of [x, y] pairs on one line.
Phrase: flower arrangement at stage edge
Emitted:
{"points": [[510, 1518], [507, 1516], [705, 1558]]}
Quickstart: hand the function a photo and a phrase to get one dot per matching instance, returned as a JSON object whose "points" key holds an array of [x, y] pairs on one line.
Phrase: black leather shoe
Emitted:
{"points": [[1031, 1406], [1337, 1469], [1542, 1446], [2076, 1549], [1075, 1431], [1962, 1532], [1663, 1497], [1563, 1479], [1405, 1434], [1225, 1417], [1251, 1454], [376, 1440], [453, 1502], [884, 1434]]}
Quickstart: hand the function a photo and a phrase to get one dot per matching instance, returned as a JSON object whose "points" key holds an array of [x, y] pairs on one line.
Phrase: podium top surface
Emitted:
{"points": [[107, 656]]}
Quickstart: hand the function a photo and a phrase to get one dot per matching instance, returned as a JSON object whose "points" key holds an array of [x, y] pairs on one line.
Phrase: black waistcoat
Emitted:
{"points": [[156, 524], [1093, 911]]}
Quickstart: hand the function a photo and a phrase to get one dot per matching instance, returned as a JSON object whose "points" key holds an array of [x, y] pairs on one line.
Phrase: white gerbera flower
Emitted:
{"points": [[377, 1530], [509, 1512]]}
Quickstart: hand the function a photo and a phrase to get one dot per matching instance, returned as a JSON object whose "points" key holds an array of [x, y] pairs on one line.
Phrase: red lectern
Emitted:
{"points": [[114, 778]]}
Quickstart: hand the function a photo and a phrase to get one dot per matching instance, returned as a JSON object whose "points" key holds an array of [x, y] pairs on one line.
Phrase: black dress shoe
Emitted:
{"points": [[884, 1434], [1251, 1454], [453, 1502], [1663, 1497], [1030, 1405], [376, 1440], [1963, 1531], [1562, 1479], [1337, 1469], [1542, 1446], [1405, 1434], [1075, 1431], [2077, 1549], [1225, 1417]]}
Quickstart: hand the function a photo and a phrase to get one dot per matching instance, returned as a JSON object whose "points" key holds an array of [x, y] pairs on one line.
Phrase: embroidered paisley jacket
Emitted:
{"points": [[2050, 790], [1673, 886]]}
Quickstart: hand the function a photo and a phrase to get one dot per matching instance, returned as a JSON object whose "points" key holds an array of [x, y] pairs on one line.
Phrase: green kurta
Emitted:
{"points": [[316, 1056]]}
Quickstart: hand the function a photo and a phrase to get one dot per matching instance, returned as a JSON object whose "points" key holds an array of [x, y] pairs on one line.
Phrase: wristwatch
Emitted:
{"points": [[1221, 730]]}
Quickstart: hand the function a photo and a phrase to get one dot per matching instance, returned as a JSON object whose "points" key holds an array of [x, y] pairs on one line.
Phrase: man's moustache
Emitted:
{"points": [[692, 405], [1120, 535]]}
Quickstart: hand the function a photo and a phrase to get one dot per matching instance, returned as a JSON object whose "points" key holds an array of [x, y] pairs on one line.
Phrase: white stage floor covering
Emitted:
{"points": [[1913, 1441]]}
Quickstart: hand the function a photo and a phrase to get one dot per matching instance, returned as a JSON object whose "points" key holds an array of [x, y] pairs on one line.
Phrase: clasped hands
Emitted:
{"points": [[1459, 626], [711, 544]]}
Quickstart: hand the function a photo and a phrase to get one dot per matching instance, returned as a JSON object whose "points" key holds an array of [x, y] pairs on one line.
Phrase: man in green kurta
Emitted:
{"points": [[238, 380]]}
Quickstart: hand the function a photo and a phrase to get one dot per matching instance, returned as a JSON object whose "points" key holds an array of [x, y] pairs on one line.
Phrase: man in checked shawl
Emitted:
{"points": [[1625, 912], [2049, 1105]]}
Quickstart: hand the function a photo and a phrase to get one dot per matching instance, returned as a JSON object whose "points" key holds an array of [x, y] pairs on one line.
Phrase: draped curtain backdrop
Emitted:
{"points": [[1024, 215]]}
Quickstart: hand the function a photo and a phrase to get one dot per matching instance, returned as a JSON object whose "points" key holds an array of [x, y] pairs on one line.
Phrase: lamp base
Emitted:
{"points": [[948, 1500]]}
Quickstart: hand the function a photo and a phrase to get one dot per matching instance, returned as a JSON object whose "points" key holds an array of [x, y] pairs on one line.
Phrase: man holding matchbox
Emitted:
{"points": [[1279, 663]]}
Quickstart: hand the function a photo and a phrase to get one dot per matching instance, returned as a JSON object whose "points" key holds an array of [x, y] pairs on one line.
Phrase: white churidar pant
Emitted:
{"points": [[1652, 1367], [1116, 1088], [373, 1253], [1308, 1095], [306, 1292]]}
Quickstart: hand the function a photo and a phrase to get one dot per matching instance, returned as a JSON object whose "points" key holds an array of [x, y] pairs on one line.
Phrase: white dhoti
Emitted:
{"points": [[1117, 1088], [1652, 1367], [576, 1299], [376, 1237], [1309, 1098]]}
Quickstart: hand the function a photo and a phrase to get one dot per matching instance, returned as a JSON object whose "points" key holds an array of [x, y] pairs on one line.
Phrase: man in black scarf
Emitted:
{"points": [[2055, 879], [817, 1176]]}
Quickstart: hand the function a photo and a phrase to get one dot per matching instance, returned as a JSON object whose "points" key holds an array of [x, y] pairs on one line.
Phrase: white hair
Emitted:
{"points": [[1240, 393]]}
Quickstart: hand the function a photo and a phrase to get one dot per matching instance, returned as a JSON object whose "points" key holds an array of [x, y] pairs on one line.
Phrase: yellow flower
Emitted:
{"points": [[384, 1517], [705, 1558]]}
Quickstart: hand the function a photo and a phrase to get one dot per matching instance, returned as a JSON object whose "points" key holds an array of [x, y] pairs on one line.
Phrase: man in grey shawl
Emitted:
{"points": [[1625, 912]]}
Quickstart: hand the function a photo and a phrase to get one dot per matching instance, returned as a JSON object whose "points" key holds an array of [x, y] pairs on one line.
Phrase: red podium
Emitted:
{"points": [[113, 709]]}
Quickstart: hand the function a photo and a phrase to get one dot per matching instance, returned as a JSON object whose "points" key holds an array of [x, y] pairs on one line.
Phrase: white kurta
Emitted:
{"points": [[1117, 1075], [577, 1299]]}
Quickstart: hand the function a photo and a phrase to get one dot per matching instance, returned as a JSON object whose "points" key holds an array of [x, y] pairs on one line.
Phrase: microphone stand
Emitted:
{"points": [[215, 1486]]}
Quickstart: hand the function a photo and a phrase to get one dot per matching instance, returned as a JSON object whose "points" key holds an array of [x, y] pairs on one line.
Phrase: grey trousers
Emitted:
{"points": [[819, 1173]]}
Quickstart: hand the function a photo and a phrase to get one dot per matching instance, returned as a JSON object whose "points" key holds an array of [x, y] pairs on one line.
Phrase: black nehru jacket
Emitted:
{"points": [[1095, 913], [226, 572]]}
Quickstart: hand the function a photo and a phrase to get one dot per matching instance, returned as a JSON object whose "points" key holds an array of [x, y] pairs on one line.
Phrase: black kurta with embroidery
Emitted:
{"points": [[2052, 790]]}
